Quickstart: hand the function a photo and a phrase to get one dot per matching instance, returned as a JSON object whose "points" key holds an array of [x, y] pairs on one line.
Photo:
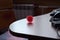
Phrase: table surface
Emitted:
{"points": [[40, 27]]}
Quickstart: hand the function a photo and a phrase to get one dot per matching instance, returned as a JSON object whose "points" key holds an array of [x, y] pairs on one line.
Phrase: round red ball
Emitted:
{"points": [[30, 19]]}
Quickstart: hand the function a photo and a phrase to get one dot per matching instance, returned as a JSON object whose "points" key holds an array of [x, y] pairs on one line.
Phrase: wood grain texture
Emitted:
{"points": [[6, 4], [6, 17], [40, 2]]}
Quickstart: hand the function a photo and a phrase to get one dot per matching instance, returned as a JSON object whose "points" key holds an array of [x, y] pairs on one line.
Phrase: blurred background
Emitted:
{"points": [[12, 10]]}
